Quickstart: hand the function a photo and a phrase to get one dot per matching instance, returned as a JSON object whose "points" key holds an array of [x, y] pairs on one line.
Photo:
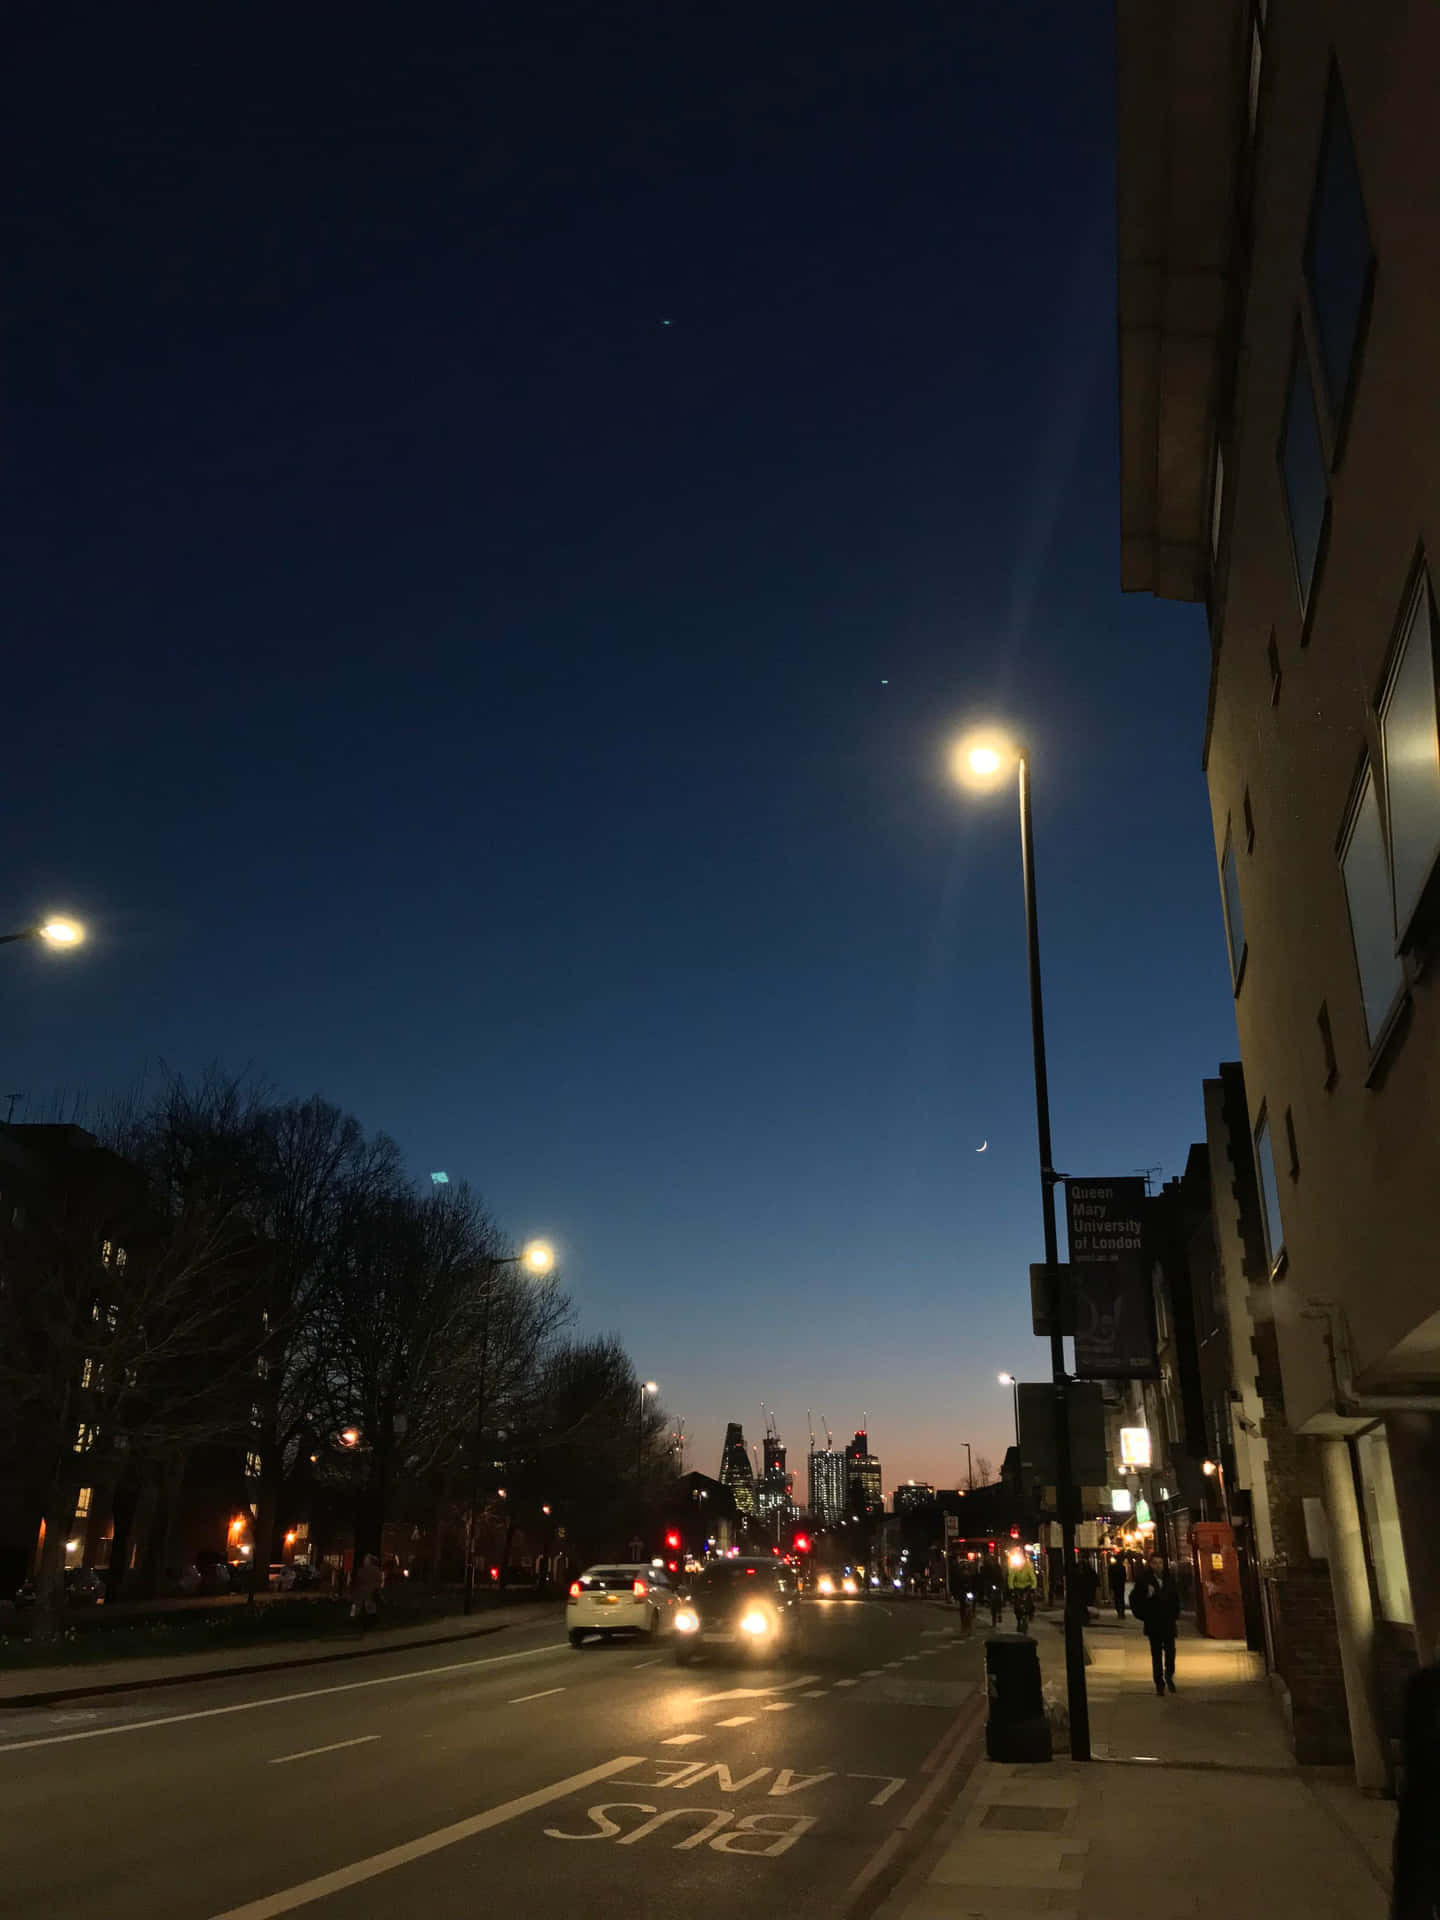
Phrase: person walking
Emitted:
{"points": [[365, 1591], [1117, 1585], [1160, 1619], [1144, 1586]]}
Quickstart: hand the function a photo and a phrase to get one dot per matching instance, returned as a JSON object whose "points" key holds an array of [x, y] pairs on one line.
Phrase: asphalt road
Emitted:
{"points": [[508, 1774]]}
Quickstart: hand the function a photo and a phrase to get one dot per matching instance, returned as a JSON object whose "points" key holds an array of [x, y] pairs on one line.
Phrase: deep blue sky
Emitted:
{"points": [[446, 686]]}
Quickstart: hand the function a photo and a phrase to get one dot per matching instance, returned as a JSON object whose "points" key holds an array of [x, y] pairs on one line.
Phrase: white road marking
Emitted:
{"points": [[378, 1863], [278, 1699], [896, 1781], [815, 1693], [334, 1747], [682, 1739], [736, 1720], [871, 1673], [846, 1683], [544, 1694], [653, 1661], [780, 1706], [758, 1693]]}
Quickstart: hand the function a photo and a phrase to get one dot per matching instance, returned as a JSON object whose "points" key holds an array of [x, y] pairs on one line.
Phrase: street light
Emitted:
{"points": [[981, 762], [646, 1386], [57, 932], [537, 1258]]}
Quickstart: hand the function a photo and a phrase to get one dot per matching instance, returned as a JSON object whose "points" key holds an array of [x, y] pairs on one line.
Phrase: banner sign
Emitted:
{"points": [[1114, 1312]]}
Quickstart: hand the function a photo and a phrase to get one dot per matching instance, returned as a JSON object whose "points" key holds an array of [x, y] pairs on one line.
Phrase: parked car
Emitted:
{"points": [[84, 1587]]}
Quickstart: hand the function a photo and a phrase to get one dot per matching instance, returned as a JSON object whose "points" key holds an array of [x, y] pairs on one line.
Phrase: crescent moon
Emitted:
{"points": [[982, 1146]]}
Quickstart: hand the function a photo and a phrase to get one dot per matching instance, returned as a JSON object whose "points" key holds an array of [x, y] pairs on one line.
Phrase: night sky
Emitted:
{"points": [[503, 518]]}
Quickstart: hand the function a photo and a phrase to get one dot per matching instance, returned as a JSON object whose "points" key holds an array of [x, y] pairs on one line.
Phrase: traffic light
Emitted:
{"points": [[673, 1545], [802, 1543], [989, 1546], [672, 1540], [1014, 1533]]}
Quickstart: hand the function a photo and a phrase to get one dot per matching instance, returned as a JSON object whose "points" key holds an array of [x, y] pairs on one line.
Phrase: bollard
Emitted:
{"points": [[1016, 1728]]}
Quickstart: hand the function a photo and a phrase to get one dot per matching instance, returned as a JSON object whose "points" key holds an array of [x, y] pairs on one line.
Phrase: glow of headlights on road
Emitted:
{"points": [[754, 1623], [687, 1622], [825, 1583]]}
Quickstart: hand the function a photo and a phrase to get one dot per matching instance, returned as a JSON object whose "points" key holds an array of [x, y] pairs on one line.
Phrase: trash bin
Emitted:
{"points": [[1016, 1728]]}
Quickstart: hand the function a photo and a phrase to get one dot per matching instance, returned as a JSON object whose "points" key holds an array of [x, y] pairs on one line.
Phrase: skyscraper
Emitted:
{"points": [[736, 1471], [863, 1491], [827, 1487]]}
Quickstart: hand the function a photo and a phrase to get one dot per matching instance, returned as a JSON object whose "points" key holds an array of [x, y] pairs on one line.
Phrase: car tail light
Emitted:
{"points": [[641, 1589], [575, 1589]]}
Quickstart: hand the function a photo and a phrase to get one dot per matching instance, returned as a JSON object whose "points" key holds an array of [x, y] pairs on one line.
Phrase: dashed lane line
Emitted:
{"points": [[736, 1720], [544, 1694], [847, 1683], [682, 1739], [780, 1706], [334, 1747], [815, 1693]]}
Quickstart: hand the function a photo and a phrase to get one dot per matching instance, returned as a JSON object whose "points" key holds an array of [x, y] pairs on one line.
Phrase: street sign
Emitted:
{"points": [[1088, 1462], [1114, 1311], [952, 1526]]}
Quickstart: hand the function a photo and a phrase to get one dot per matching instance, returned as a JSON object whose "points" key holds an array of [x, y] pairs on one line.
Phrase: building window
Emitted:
{"points": [[120, 1259], [82, 1502], [1412, 758], [1272, 660], [1382, 1528], [1234, 921], [1339, 261], [252, 1465], [84, 1437], [1327, 1044], [1372, 924], [92, 1375], [1291, 1145], [1302, 468], [1269, 1192], [1217, 501], [107, 1252]]}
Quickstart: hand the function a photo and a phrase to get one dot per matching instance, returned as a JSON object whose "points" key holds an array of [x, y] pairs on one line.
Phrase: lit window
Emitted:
{"points": [[82, 1502], [252, 1465], [91, 1375], [1302, 467], [84, 1437], [1365, 866], [106, 1253], [1338, 256], [1269, 1192], [262, 1368], [1234, 921], [1412, 759], [120, 1258], [1382, 1527]]}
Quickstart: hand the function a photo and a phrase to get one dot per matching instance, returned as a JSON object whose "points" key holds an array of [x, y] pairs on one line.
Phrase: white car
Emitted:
{"points": [[622, 1598]]}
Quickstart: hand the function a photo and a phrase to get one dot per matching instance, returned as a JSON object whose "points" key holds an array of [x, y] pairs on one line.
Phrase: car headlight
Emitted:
{"points": [[847, 1586], [825, 1583], [686, 1621], [754, 1623]]}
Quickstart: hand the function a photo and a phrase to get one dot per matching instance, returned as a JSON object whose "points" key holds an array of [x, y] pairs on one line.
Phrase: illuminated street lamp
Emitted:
{"points": [[57, 932], [537, 1258], [982, 762]]}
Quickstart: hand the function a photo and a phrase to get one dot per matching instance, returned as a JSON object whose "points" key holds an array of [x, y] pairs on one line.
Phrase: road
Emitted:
{"points": [[512, 1773]]}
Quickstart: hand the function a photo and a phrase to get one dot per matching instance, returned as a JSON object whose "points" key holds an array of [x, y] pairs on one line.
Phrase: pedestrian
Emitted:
{"points": [[365, 1591], [1117, 1585], [1160, 1619], [1417, 1832], [1140, 1592], [1087, 1586]]}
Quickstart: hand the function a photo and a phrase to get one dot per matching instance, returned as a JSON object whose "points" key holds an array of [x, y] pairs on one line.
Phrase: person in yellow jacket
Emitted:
{"points": [[1020, 1583]]}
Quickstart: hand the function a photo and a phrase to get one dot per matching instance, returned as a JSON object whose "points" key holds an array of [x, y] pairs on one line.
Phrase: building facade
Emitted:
{"points": [[864, 1493], [1279, 296], [827, 1487], [736, 1471]]}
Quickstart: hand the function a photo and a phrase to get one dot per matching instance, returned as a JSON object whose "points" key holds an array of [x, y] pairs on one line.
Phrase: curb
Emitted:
{"points": [[889, 1872], [54, 1694]]}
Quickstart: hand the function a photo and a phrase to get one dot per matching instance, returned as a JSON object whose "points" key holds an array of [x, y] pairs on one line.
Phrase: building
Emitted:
{"points": [[1279, 297], [864, 1493], [774, 1492], [736, 1472], [827, 1487], [912, 1496]]}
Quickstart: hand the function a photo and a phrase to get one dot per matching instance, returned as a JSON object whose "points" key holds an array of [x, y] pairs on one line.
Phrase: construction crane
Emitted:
{"points": [[829, 1437], [772, 1430], [810, 1423]]}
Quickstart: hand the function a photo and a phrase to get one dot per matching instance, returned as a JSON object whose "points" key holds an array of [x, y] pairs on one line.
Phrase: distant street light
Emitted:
{"points": [[646, 1386], [537, 1258], [57, 932], [981, 762]]}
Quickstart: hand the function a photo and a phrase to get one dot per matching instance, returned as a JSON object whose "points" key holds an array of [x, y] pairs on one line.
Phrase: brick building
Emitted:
{"points": [[1278, 233]]}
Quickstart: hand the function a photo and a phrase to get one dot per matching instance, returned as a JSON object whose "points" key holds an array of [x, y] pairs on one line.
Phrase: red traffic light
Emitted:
{"points": [[802, 1543], [672, 1539], [1014, 1533], [989, 1546]]}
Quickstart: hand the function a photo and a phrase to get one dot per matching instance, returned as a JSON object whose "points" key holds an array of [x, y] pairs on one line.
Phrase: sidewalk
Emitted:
{"points": [[1192, 1805], [42, 1686]]}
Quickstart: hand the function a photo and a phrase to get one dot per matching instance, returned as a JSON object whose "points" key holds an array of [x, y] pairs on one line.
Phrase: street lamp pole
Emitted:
{"points": [[1011, 1381], [646, 1386], [1065, 1492], [969, 1466]]}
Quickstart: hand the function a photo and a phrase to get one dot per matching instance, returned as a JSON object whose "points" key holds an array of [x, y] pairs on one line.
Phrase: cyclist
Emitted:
{"points": [[1020, 1580]]}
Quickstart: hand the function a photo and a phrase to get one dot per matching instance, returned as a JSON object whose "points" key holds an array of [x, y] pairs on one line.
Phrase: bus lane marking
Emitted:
{"points": [[896, 1782]]}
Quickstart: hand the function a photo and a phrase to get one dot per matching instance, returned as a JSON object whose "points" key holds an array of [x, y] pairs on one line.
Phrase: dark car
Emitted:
{"points": [[747, 1607]]}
